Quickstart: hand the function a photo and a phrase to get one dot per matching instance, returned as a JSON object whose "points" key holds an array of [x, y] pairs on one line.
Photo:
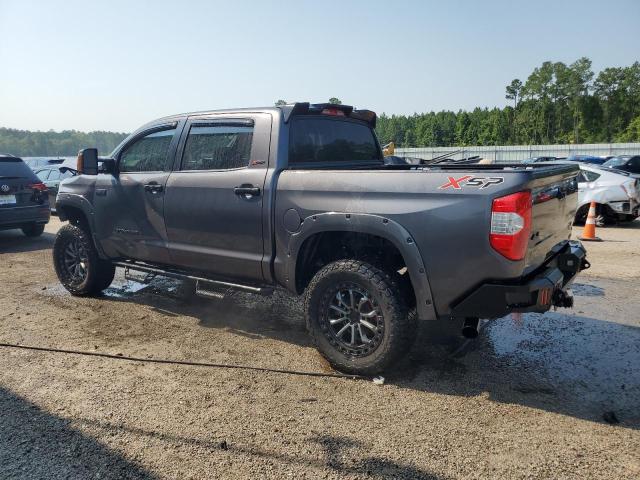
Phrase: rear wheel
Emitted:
{"points": [[77, 264], [33, 229], [358, 318]]}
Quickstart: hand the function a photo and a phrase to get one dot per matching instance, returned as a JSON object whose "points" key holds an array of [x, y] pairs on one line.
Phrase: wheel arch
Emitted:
{"points": [[342, 228], [78, 211]]}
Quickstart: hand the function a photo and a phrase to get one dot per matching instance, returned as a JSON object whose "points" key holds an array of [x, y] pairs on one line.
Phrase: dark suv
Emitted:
{"points": [[24, 199]]}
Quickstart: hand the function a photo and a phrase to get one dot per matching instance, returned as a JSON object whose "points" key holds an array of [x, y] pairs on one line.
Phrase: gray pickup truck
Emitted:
{"points": [[300, 197]]}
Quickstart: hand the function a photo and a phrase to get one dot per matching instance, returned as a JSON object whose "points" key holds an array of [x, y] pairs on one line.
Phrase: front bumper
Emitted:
{"points": [[537, 293], [629, 207]]}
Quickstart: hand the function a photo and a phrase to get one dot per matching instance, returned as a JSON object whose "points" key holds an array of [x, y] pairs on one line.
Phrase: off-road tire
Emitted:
{"points": [[98, 273], [33, 229], [399, 326]]}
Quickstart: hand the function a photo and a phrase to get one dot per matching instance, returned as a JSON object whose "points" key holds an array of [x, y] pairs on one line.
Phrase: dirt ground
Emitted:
{"points": [[525, 400]]}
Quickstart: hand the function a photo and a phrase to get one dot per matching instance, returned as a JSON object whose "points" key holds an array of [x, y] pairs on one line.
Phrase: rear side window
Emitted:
{"points": [[14, 167], [217, 147], [147, 154], [328, 140]]}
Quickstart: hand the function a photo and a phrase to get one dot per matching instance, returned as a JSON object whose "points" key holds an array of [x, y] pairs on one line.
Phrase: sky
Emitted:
{"points": [[114, 65]]}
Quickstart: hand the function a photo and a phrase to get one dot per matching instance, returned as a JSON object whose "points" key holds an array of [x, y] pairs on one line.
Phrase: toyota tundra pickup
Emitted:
{"points": [[299, 197]]}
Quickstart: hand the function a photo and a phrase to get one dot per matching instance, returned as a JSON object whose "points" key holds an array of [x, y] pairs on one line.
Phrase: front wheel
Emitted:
{"points": [[77, 264], [358, 317]]}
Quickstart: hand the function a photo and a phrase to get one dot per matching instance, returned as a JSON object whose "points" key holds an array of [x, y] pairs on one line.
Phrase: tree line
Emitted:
{"points": [[56, 144], [557, 104]]}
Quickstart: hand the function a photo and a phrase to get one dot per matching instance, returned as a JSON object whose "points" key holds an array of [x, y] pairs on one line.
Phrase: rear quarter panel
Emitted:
{"points": [[450, 226]]}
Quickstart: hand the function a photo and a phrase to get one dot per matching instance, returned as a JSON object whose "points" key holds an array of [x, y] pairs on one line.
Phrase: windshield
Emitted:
{"points": [[615, 162], [331, 141]]}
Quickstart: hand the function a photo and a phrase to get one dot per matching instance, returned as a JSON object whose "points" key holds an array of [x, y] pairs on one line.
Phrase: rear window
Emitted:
{"points": [[328, 140], [14, 167]]}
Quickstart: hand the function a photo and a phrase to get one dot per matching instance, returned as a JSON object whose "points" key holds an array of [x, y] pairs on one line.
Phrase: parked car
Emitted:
{"points": [[540, 159], [51, 177], [587, 159], [616, 193], [299, 197], [35, 163], [626, 163], [24, 199]]}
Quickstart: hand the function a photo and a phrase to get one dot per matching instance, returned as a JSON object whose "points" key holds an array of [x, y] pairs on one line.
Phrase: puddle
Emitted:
{"points": [[595, 361], [586, 290], [123, 288]]}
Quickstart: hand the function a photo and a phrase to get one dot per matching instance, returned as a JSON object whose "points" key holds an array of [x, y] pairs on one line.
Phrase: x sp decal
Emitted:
{"points": [[471, 181]]}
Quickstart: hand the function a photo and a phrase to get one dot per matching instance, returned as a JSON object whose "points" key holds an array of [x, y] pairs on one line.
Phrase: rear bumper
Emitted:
{"points": [[537, 293], [19, 216]]}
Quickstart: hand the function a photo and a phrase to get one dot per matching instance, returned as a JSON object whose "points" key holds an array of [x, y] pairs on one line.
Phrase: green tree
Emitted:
{"points": [[335, 101], [513, 91]]}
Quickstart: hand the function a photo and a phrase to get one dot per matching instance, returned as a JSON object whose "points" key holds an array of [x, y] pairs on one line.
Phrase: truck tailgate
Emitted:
{"points": [[554, 194]]}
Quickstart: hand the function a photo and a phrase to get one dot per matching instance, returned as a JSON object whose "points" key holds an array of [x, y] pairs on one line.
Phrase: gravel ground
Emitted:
{"points": [[525, 400]]}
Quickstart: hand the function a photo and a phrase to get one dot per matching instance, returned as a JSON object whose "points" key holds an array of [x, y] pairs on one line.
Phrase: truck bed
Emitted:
{"points": [[449, 225]]}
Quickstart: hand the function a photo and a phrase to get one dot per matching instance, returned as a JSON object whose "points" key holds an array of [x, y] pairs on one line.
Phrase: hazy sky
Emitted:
{"points": [[113, 65]]}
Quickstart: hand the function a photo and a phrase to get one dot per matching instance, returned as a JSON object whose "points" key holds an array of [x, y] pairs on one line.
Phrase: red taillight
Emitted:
{"points": [[333, 111], [511, 225], [38, 187]]}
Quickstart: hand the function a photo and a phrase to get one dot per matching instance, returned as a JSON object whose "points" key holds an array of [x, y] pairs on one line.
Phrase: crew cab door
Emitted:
{"points": [[214, 197], [129, 206]]}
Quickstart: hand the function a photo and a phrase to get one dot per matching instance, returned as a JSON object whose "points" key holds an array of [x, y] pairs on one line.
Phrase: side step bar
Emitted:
{"points": [[184, 276]]}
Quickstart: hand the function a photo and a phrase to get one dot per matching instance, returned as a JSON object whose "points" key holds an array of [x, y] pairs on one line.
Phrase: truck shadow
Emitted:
{"points": [[569, 364], [573, 365], [37, 444], [13, 241]]}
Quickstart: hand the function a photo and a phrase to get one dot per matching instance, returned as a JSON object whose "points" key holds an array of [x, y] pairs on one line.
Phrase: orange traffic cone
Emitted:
{"points": [[589, 232]]}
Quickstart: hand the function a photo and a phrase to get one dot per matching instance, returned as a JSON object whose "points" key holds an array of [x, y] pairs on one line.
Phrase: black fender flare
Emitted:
{"points": [[373, 225], [78, 202]]}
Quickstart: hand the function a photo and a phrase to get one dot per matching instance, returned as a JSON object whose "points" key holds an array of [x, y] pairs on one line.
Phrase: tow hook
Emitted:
{"points": [[470, 327], [562, 299]]}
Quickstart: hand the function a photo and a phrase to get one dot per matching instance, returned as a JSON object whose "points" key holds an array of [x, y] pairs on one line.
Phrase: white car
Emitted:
{"points": [[617, 195]]}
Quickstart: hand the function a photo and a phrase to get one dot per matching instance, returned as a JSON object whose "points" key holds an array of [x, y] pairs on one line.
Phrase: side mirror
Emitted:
{"points": [[109, 166], [88, 161]]}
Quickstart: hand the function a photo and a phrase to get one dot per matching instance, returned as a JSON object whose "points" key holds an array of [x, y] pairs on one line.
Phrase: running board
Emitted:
{"points": [[202, 291], [184, 276]]}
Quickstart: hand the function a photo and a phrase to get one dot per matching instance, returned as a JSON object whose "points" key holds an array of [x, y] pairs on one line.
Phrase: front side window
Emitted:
{"points": [[147, 154], [217, 147], [328, 140], [634, 165]]}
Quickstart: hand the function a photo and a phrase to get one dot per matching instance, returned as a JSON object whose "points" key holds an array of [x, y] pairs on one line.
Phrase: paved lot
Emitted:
{"points": [[526, 400]]}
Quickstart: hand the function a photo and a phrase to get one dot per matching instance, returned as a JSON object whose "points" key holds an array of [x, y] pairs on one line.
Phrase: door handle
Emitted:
{"points": [[248, 190], [153, 188]]}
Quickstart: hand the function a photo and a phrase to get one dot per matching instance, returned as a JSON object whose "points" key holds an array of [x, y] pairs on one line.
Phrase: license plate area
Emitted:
{"points": [[7, 200]]}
